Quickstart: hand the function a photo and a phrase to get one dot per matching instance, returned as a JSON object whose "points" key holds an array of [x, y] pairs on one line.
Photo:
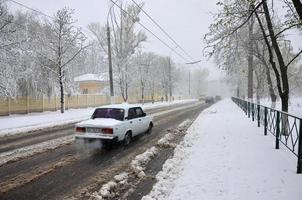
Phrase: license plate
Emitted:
{"points": [[92, 130]]}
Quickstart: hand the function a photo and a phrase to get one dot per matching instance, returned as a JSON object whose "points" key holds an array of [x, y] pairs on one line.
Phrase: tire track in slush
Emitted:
{"points": [[68, 173]]}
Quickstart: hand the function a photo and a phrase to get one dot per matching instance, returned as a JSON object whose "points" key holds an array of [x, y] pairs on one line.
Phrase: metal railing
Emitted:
{"points": [[285, 127]]}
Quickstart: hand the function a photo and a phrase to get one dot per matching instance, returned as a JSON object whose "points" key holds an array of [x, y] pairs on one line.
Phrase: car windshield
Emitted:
{"points": [[114, 113]]}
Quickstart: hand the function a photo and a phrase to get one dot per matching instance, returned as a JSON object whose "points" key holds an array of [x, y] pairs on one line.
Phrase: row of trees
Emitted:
{"points": [[248, 39], [37, 55], [42, 55]]}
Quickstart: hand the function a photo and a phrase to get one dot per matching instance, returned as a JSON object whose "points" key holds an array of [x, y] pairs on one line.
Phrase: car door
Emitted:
{"points": [[142, 122], [133, 121]]}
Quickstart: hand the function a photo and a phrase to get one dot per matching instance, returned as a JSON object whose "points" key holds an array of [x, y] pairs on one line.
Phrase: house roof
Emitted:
{"points": [[90, 77]]}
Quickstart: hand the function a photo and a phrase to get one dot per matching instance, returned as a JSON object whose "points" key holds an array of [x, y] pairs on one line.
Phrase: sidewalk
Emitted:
{"points": [[16, 124], [225, 156]]}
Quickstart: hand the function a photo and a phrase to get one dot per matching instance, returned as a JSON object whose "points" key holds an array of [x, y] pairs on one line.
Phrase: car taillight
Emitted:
{"points": [[80, 129], [107, 130]]}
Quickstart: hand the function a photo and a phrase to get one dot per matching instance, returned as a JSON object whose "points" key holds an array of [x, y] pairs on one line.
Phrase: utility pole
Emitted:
{"points": [[189, 82], [170, 82], [112, 100]]}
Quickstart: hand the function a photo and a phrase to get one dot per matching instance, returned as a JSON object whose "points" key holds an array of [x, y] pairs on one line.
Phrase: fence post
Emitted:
{"points": [[66, 102], [77, 101], [258, 114], [27, 104], [55, 100], [299, 167], [42, 102], [248, 110], [265, 120], [253, 112], [86, 100], [245, 103], [277, 129], [8, 106]]}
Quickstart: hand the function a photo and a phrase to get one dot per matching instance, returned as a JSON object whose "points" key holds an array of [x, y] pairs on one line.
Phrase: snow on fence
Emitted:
{"points": [[24, 105], [286, 128]]}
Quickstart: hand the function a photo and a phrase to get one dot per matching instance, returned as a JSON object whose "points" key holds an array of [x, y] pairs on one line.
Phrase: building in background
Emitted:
{"points": [[91, 83]]}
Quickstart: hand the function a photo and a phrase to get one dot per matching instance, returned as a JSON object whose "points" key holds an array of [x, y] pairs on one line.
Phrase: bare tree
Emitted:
{"points": [[63, 42], [125, 43]]}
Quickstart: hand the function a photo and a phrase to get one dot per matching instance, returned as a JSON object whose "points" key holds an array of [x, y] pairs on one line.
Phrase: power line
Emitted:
{"points": [[162, 29], [163, 42], [32, 9], [41, 13], [172, 49]]}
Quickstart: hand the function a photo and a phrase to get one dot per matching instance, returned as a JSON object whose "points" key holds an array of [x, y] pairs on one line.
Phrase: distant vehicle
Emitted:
{"points": [[209, 100], [218, 98], [202, 98], [114, 123]]}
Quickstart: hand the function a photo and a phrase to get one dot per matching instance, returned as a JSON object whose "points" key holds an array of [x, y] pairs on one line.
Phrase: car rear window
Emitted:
{"points": [[114, 113]]}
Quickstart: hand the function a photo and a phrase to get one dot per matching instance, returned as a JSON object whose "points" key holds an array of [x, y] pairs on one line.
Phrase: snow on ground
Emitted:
{"points": [[137, 166], [108, 190], [15, 124], [225, 156], [28, 151], [294, 107]]}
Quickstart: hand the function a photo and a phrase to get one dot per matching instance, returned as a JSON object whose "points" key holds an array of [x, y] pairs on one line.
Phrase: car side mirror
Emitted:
{"points": [[144, 115], [126, 118]]}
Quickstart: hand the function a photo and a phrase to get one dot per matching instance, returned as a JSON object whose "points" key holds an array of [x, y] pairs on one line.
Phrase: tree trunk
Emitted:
{"points": [[142, 95], [258, 97], [126, 85], [283, 69], [270, 86], [298, 7], [250, 59], [273, 64], [61, 90], [268, 77]]}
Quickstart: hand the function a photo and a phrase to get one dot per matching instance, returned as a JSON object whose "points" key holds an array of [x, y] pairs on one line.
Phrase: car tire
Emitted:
{"points": [[127, 138], [149, 131]]}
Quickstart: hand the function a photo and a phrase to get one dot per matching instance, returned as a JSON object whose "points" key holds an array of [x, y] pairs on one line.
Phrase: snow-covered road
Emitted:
{"points": [[226, 156], [15, 124]]}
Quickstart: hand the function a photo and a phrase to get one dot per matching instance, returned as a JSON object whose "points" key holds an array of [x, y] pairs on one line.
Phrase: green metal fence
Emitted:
{"points": [[286, 128]]}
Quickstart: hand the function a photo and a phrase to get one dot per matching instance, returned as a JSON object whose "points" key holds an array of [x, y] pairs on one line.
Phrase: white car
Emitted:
{"points": [[113, 123]]}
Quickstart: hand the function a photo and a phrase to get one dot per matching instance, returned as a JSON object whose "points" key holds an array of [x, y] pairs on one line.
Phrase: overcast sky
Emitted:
{"points": [[185, 20]]}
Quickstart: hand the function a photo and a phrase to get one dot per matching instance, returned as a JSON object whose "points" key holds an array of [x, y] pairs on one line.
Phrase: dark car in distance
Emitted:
{"points": [[209, 100]]}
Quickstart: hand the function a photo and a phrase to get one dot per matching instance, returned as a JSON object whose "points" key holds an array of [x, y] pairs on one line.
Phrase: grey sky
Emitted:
{"points": [[185, 20]]}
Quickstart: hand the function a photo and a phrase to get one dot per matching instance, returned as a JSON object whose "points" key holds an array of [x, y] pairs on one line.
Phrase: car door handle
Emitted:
{"points": [[131, 122], [140, 120]]}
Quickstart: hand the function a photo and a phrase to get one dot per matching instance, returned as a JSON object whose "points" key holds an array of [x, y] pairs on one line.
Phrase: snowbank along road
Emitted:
{"points": [[49, 165]]}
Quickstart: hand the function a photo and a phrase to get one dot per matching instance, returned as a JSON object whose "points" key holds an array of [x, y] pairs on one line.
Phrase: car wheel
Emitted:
{"points": [[149, 131], [127, 139]]}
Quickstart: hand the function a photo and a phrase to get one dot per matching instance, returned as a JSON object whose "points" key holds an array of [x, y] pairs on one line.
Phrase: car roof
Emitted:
{"points": [[120, 106]]}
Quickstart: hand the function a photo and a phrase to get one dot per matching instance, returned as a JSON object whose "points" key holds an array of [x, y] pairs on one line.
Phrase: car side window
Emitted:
{"points": [[139, 112], [131, 113]]}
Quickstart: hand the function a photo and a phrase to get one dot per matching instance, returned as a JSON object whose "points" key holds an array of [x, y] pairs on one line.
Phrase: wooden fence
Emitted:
{"points": [[24, 105]]}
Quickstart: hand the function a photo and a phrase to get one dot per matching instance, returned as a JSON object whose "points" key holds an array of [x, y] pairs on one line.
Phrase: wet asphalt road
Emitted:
{"points": [[60, 172]]}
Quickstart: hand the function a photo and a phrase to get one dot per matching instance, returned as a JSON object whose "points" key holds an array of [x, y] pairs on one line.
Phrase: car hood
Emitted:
{"points": [[99, 122]]}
